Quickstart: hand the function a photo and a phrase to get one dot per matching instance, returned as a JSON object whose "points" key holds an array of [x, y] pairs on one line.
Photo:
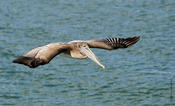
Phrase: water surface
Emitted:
{"points": [[139, 75]]}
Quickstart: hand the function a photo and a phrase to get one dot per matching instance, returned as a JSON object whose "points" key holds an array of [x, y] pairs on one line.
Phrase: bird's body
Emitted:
{"points": [[76, 49], [74, 52]]}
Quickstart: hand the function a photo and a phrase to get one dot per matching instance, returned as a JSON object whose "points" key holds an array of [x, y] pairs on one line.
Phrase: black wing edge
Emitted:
{"points": [[116, 43], [30, 61]]}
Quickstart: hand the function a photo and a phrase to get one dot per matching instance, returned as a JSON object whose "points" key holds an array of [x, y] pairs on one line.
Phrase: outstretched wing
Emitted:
{"points": [[113, 43], [42, 55]]}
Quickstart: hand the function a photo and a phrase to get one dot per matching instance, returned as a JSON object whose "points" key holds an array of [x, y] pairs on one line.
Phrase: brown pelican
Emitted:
{"points": [[76, 49]]}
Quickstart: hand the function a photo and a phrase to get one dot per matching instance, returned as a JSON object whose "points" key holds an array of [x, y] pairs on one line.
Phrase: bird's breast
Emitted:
{"points": [[77, 54]]}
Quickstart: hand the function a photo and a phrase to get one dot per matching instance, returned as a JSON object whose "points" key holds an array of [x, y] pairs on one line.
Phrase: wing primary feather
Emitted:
{"points": [[113, 43]]}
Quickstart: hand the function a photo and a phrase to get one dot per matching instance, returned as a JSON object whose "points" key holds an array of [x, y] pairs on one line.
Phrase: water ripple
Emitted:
{"points": [[138, 75]]}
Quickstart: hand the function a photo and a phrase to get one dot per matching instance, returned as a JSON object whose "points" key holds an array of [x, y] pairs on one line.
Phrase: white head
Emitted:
{"points": [[84, 49]]}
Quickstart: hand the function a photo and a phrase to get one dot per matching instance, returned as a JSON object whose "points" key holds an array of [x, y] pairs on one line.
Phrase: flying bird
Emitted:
{"points": [[78, 49]]}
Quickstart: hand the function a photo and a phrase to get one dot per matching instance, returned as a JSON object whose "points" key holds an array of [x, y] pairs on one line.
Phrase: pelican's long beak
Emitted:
{"points": [[87, 51]]}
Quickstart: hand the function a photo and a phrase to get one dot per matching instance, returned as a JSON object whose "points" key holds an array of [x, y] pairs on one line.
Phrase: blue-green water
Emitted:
{"points": [[139, 75]]}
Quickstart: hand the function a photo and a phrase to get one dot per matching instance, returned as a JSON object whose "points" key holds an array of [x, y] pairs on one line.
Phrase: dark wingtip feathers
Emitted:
{"points": [[29, 61], [116, 43], [132, 40]]}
